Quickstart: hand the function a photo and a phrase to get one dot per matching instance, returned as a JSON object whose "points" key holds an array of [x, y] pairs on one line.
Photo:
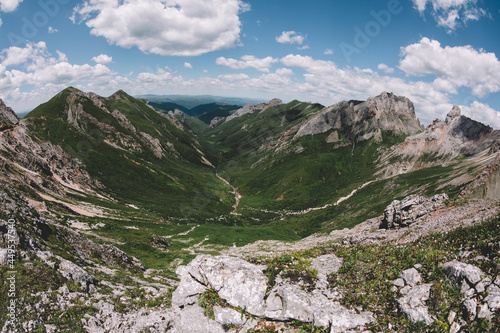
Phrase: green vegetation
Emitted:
{"points": [[280, 179], [368, 271], [177, 184]]}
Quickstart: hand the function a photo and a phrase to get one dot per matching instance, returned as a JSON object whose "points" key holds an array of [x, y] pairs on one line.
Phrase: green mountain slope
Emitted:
{"points": [[140, 156]]}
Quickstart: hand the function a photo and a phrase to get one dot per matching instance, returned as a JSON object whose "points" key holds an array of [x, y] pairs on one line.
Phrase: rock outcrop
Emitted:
{"points": [[7, 117], [365, 120], [249, 108], [413, 296], [481, 295], [441, 141], [244, 286], [409, 210]]}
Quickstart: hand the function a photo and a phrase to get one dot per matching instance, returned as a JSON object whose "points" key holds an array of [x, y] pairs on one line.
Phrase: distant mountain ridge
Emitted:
{"points": [[191, 101]]}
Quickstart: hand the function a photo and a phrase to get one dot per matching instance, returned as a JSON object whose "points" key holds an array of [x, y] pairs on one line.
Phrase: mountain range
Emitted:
{"points": [[116, 193]]}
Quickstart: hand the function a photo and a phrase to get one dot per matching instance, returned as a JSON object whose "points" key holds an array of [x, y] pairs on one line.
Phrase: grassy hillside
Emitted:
{"points": [[177, 184]]}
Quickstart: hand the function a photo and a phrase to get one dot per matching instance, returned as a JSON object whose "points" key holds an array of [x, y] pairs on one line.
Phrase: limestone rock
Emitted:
{"points": [[4, 256], [69, 270], [8, 118], [192, 319], [407, 211], [411, 277], [458, 271], [413, 304], [384, 112], [227, 316], [471, 307], [240, 283], [249, 108]]}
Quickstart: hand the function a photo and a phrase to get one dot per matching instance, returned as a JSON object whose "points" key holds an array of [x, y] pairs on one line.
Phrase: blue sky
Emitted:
{"points": [[436, 52]]}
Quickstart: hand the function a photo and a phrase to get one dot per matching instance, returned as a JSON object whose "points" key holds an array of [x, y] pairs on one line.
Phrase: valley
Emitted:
{"points": [[116, 197]]}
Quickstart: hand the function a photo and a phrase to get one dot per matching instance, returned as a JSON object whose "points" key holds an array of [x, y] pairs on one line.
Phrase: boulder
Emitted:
{"points": [[413, 304], [409, 210], [411, 277], [458, 271], [240, 283]]}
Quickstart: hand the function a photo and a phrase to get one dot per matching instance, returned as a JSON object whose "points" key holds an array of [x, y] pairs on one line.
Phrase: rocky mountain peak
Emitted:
{"points": [[8, 118], [453, 114], [249, 108], [365, 120]]}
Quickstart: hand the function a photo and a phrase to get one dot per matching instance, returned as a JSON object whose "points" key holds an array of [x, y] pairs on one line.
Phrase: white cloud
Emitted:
{"points": [[9, 5], [247, 61], [34, 66], [52, 30], [1, 22], [234, 77], [454, 67], [188, 65], [103, 59], [290, 37], [385, 68], [328, 52], [451, 14], [161, 75], [482, 113], [165, 27]]}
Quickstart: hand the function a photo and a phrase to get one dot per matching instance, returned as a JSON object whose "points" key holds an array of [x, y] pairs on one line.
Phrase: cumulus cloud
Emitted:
{"points": [[234, 77], [454, 67], [103, 59], [247, 61], [165, 27], [385, 68], [9, 5], [33, 65], [290, 37], [161, 75], [451, 14], [52, 30], [328, 52], [188, 65]]}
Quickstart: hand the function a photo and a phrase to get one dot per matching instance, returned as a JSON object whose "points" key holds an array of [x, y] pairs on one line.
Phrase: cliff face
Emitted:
{"points": [[7, 117], [38, 164], [365, 120], [442, 141]]}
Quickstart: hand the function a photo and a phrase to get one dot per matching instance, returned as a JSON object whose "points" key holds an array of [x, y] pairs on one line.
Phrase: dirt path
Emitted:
{"points": [[237, 196], [305, 211]]}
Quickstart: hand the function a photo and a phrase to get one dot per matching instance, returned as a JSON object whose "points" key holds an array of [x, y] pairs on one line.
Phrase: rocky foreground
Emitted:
{"points": [[355, 283]]}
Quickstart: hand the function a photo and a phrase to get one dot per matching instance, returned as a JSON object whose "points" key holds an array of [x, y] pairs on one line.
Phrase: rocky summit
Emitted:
{"points": [[119, 216]]}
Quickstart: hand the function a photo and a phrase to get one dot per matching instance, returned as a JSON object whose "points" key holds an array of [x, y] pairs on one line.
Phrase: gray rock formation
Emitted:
{"points": [[409, 210], [365, 120], [240, 283], [441, 141], [215, 121], [69, 270], [414, 296], [249, 108], [243, 285], [7, 117], [459, 271], [40, 165], [482, 296]]}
